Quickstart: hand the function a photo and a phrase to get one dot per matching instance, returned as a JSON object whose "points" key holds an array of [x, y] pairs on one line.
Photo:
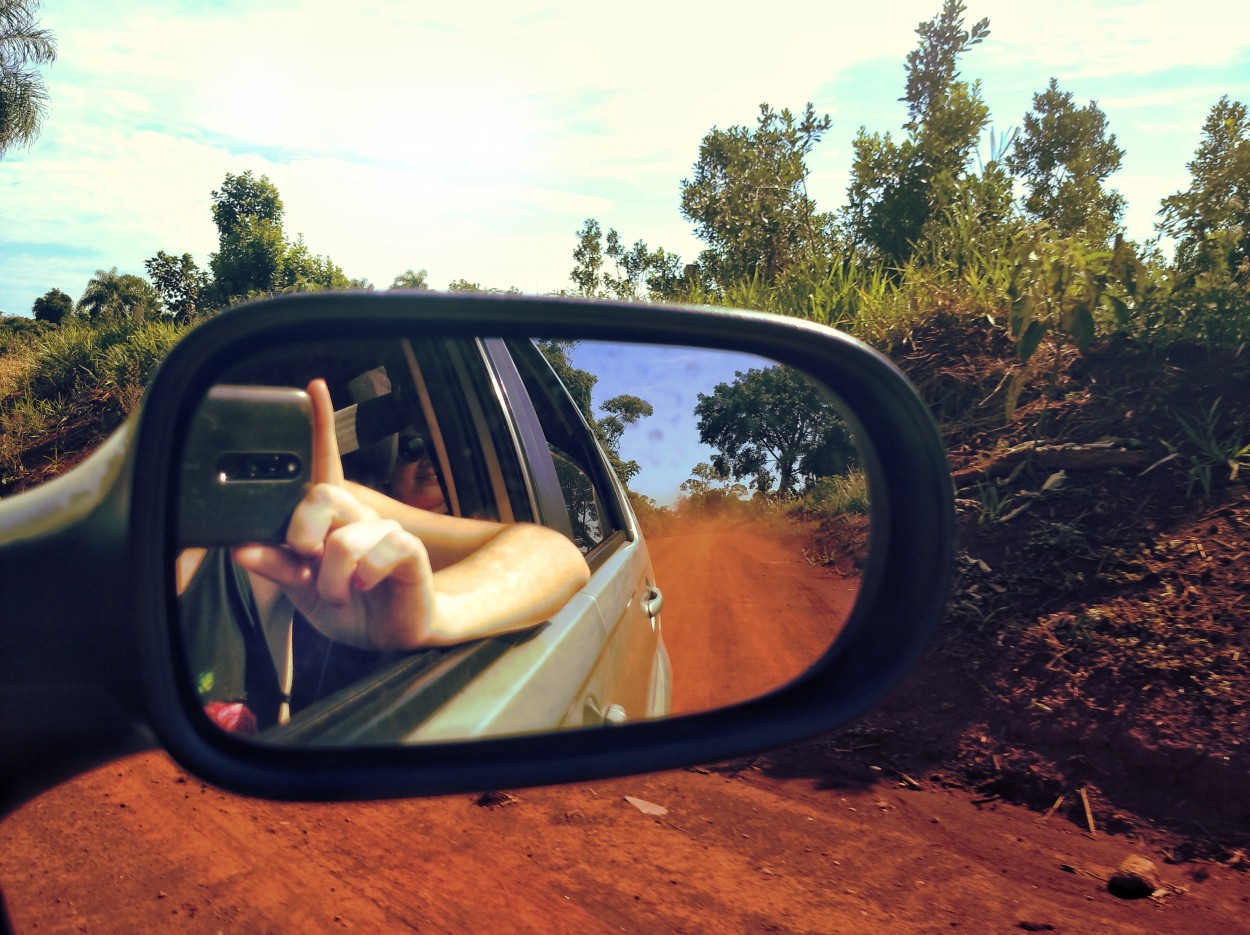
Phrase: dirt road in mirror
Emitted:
{"points": [[745, 611]]}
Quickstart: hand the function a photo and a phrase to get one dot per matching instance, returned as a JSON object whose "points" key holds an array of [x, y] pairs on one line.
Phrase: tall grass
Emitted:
{"points": [[965, 272], [837, 495], [1024, 281], [81, 376]]}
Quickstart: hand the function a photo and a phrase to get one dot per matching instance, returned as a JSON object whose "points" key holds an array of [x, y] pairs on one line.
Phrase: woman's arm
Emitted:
{"points": [[375, 573], [490, 576]]}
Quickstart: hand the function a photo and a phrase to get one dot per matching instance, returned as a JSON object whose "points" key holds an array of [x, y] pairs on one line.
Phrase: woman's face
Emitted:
{"points": [[416, 484]]}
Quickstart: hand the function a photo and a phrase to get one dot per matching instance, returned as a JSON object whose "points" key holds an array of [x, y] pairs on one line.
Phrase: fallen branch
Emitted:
{"points": [[1050, 811], [1089, 813], [1095, 457]]}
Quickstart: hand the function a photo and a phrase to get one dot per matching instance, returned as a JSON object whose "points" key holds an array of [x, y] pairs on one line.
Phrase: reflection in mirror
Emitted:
{"points": [[397, 541]]}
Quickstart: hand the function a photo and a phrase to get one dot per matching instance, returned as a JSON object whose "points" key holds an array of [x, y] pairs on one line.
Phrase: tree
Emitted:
{"points": [[637, 273], [748, 197], [1211, 220], [463, 285], [578, 382], [772, 420], [620, 413], [111, 296], [53, 306], [302, 271], [253, 255], [244, 197], [1064, 155], [23, 96], [897, 188], [250, 243], [588, 259], [707, 490], [183, 287], [409, 279]]}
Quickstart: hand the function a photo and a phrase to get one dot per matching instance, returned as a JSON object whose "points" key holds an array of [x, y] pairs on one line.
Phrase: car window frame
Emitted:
{"points": [[544, 382]]}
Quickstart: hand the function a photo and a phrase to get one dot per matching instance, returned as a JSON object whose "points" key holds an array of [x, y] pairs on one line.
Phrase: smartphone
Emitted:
{"points": [[246, 464]]}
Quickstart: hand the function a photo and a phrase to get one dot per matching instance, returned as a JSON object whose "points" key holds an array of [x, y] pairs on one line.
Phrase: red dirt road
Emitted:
{"points": [[750, 847], [744, 611]]}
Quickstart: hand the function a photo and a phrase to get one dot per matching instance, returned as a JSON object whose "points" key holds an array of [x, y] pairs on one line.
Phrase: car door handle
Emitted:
{"points": [[614, 716], [653, 603]]}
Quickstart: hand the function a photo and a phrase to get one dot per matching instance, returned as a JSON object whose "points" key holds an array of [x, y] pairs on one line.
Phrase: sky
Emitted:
{"points": [[665, 444], [472, 139]]}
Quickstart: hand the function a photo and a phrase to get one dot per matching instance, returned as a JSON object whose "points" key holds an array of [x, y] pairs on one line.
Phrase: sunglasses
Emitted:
{"points": [[411, 448]]}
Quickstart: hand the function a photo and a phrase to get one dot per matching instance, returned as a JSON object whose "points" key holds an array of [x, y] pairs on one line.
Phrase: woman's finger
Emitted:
{"points": [[278, 565], [345, 549], [398, 557], [324, 509], [327, 467]]}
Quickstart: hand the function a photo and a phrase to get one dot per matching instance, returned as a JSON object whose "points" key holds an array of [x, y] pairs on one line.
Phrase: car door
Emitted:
{"points": [[622, 582]]}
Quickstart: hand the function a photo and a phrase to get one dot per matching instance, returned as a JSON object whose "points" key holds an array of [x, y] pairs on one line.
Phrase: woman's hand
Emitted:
{"points": [[358, 578]]}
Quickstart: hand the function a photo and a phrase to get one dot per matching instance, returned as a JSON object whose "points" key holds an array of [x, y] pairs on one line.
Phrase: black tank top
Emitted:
{"points": [[229, 657]]}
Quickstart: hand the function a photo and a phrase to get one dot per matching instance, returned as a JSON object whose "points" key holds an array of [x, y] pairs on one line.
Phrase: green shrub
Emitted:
{"points": [[837, 495], [66, 388]]}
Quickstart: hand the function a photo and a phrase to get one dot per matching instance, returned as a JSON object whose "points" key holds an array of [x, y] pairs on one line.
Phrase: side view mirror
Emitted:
{"points": [[375, 545]]}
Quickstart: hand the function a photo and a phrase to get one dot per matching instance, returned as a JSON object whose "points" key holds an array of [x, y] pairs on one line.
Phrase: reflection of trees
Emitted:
{"points": [[773, 426], [585, 515], [620, 412]]}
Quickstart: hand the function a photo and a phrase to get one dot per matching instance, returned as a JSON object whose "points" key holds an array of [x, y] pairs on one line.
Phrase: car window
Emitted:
{"points": [[587, 495], [473, 436]]}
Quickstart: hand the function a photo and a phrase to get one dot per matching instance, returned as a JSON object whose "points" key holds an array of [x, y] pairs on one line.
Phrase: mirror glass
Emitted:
{"points": [[405, 541]]}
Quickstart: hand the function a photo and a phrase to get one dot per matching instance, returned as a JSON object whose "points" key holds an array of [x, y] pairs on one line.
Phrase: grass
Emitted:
{"points": [[837, 495], [83, 375], [1211, 444]]}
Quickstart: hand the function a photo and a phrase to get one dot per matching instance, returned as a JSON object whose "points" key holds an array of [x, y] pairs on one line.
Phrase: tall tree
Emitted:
{"points": [[707, 489], [1211, 220], [304, 271], [748, 196], [53, 306], [410, 279], [1064, 155], [620, 412], [773, 426], [251, 245], [897, 188], [24, 45], [636, 272], [181, 284], [244, 197], [578, 382], [253, 254], [111, 296], [587, 273]]}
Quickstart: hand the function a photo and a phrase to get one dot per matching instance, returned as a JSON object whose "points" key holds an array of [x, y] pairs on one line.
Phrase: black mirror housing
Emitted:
{"points": [[122, 568]]}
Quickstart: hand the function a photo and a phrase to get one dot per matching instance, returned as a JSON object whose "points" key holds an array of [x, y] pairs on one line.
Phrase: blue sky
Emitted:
{"points": [[665, 444], [473, 139]]}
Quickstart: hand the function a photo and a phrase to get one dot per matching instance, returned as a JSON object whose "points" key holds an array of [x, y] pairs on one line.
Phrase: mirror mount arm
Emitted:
{"points": [[69, 690]]}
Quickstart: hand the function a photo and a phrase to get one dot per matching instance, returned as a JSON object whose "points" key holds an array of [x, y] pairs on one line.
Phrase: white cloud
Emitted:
{"points": [[1077, 39], [473, 139]]}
